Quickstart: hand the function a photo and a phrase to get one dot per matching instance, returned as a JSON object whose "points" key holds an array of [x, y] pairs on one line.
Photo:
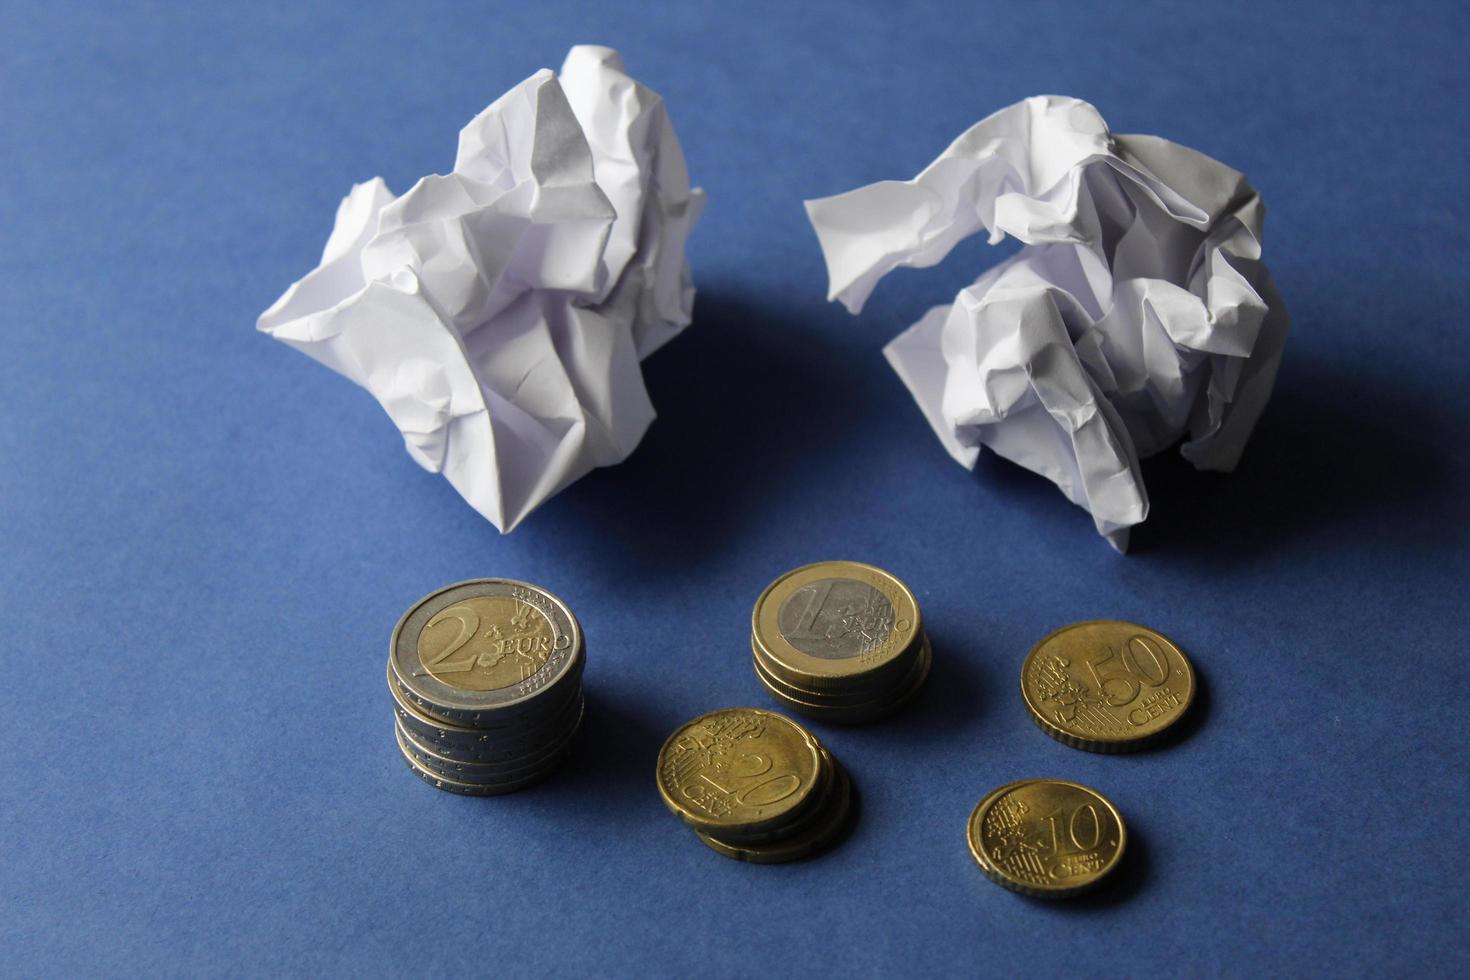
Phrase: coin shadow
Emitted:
{"points": [[951, 698], [1187, 726], [1130, 877], [838, 843], [612, 763], [849, 827], [1355, 456], [1351, 453], [955, 694]]}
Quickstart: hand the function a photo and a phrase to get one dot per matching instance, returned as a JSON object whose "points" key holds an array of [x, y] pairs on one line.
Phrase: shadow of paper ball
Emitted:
{"points": [[752, 408], [1335, 460]]}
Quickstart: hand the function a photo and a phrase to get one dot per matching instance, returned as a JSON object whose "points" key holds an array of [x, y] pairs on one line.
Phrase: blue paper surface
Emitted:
{"points": [[206, 538]]}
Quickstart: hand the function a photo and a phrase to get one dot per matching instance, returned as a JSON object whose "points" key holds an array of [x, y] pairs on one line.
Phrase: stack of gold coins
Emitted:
{"points": [[839, 641], [755, 785], [486, 678]]}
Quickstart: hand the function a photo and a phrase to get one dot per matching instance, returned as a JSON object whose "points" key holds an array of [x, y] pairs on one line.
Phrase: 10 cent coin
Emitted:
{"points": [[1047, 838]]}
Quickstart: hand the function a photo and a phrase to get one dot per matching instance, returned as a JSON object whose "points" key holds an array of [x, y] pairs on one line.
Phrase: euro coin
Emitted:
{"points": [[848, 708], [829, 823], [499, 769], [1106, 685], [755, 786], [822, 624], [485, 649], [462, 787], [528, 712], [1047, 838], [811, 813], [466, 744], [739, 770], [839, 641], [486, 679]]}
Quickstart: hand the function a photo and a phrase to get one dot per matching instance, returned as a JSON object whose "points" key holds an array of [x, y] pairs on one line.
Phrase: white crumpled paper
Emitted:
{"points": [[1138, 312], [499, 312]]}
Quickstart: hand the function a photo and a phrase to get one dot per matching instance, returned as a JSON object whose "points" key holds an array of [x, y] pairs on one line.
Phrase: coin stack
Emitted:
{"points": [[755, 785], [486, 678], [839, 641]]}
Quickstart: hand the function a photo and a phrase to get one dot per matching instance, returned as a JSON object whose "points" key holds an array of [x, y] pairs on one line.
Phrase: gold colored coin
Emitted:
{"points": [[1106, 685], [819, 625], [741, 770], [485, 643], [828, 825], [1046, 838], [482, 652]]}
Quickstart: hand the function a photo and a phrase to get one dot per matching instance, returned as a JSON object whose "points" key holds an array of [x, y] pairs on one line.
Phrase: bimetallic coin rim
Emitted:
{"points": [[858, 689], [511, 721], [502, 719], [463, 706], [821, 836], [480, 708], [1111, 745], [506, 777], [475, 771], [486, 744], [463, 748], [700, 821], [806, 670], [916, 668], [977, 815], [450, 785], [475, 789], [854, 714]]}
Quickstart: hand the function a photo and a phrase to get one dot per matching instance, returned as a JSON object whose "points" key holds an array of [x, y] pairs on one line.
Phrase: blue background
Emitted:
{"points": [[207, 537]]}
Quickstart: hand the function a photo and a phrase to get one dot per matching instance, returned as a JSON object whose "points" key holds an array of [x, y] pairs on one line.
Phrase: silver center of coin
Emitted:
{"points": [[836, 618]]}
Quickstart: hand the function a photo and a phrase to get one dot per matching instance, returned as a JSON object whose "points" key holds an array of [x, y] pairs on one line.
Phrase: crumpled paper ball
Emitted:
{"points": [[1137, 314], [499, 313]]}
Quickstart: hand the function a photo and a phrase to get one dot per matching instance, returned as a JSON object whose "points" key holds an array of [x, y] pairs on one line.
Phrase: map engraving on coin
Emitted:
{"points": [[486, 681], [1046, 837], [486, 643], [739, 766], [1106, 685], [836, 618]]}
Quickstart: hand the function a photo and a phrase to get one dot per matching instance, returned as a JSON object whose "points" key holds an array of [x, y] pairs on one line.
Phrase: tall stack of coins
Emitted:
{"points": [[839, 641], [755, 785], [486, 678], [1106, 685]]}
